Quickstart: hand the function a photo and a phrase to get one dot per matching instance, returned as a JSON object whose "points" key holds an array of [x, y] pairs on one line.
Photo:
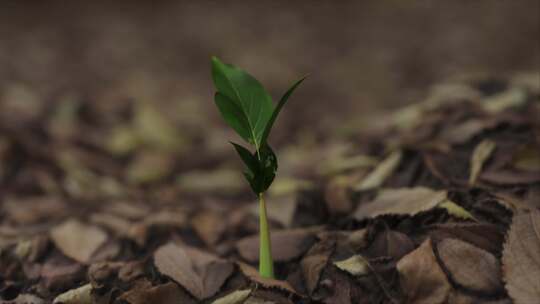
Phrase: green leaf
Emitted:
{"points": [[233, 115], [252, 104], [280, 105], [249, 159]]}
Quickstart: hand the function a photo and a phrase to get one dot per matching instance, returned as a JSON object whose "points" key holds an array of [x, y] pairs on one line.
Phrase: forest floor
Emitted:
{"points": [[434, 203]]}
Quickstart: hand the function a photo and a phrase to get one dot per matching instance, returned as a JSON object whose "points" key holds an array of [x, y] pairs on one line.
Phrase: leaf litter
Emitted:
{"points": [[439, 205]]}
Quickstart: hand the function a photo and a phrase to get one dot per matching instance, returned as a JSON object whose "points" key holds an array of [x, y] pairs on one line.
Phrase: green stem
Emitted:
{"points": [[266, 264]]}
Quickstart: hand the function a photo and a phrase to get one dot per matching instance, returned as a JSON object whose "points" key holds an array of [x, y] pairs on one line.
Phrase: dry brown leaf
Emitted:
{"points": [[254, 276], [209, 226], [521, 258], [336, 194], [77, 240], [485, 236], [34, 209], [314, 262], [390, 243], [59, 273], [201, 273], [143, 293], [482, 152], [286, 244], [383, 170], [471, 267], [422, 279], [401, 201]]}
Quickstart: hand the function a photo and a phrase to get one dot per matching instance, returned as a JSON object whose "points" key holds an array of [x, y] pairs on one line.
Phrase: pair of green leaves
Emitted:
{"points": [[248, 109]]}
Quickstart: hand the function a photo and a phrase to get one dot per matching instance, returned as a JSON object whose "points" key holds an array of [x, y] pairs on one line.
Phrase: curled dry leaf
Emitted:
{"points": [[81, 295], [254, 276], [422, 279], [77, 240], [482, 152], [471, 267], [286, 244], [201, 273], [401, 201], [521, 258], [377, 177]]}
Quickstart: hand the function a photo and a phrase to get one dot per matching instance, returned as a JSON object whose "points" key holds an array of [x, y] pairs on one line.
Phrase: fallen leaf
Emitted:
{"points": [[401, 201], [482, 152], [471, 267], [144, 292], [77, 240], [81, 295], [209, 226], [254, 276], [383, 170], [422, 279], [390, 243], [235, 297], [201, 273], [314, 262], [286, 244], [521, 258], [483, 235], [336, 194], [356, 265], [34, 209], [59, 273]]}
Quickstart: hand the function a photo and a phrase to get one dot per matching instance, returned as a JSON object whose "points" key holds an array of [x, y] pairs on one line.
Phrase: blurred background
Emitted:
{"points": [[362, 56], [131, 79]]}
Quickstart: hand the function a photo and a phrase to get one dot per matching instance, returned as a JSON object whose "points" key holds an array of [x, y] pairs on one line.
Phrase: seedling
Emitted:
{"points": [[248, 109]]}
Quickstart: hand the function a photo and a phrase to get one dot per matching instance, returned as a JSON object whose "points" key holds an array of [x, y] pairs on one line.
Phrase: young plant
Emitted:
{"points": [[248, 109]]}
